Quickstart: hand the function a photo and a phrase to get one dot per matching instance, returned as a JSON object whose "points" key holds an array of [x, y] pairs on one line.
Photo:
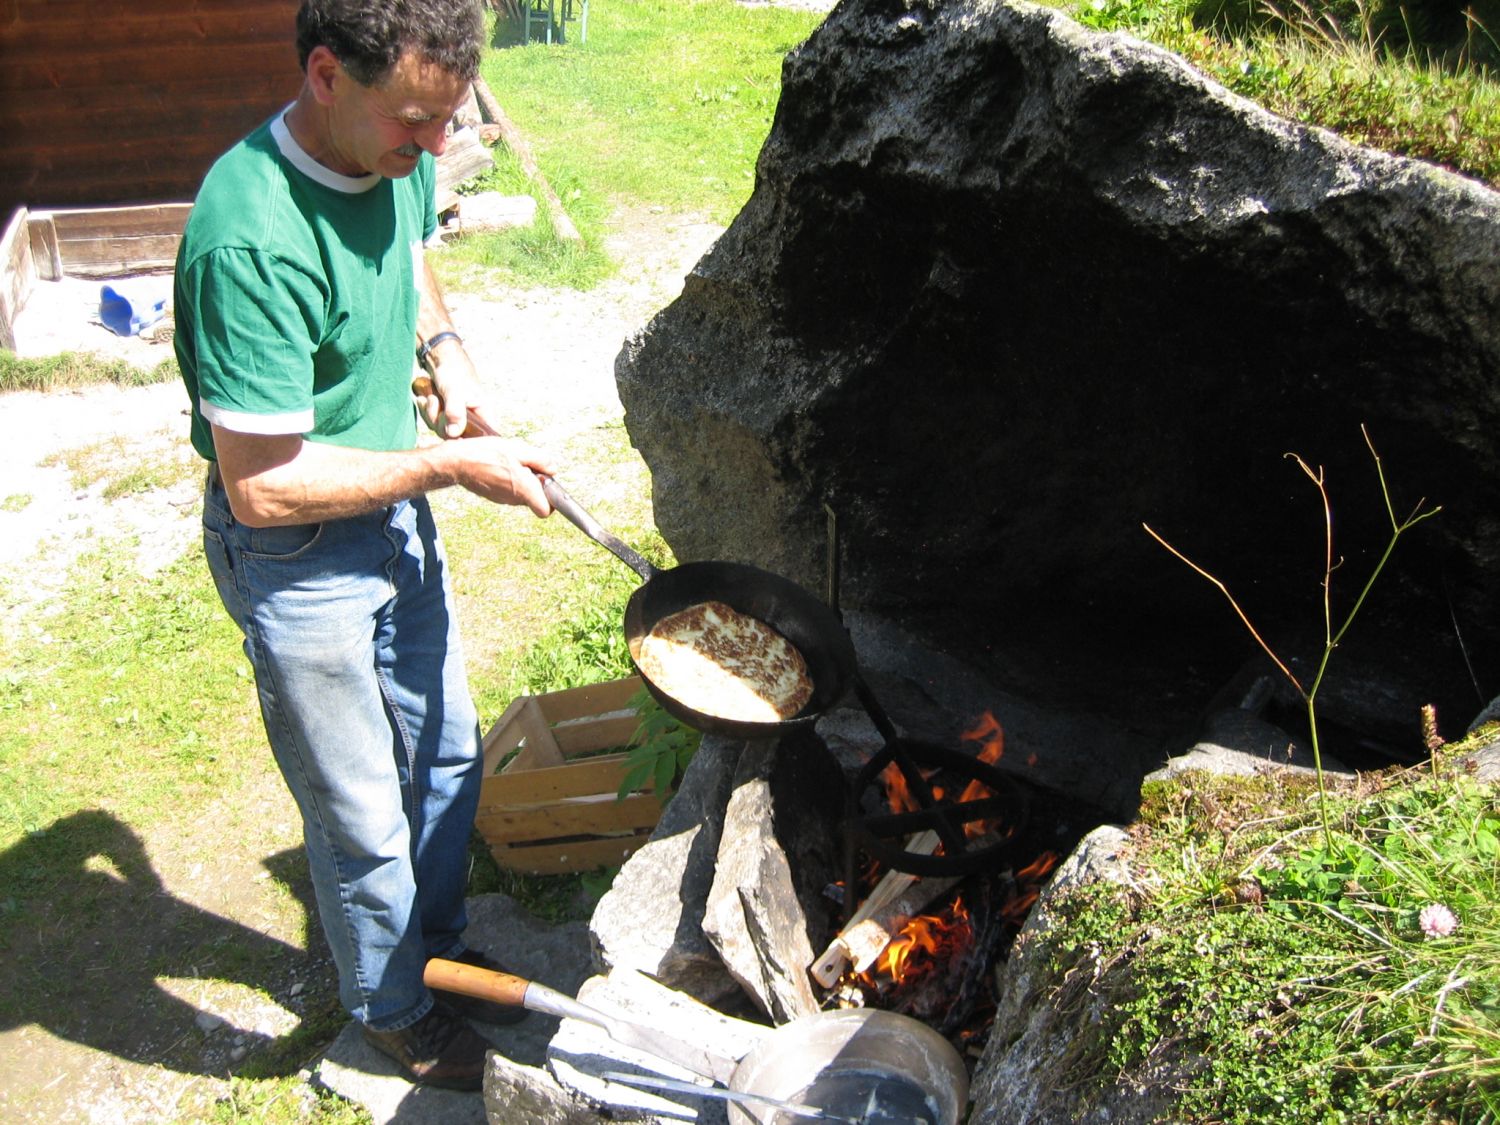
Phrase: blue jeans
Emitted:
{"points": [[349, 626]]}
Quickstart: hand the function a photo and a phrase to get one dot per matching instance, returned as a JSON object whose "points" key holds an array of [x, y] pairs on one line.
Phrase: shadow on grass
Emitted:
{"points": [[90, 930]]}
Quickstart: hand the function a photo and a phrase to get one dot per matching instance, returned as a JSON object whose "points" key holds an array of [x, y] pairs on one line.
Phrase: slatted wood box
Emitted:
{"points": [[553, 807]]}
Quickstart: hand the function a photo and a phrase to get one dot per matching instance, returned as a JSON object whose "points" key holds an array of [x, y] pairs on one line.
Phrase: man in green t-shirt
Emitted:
{"points": [[302, 300]]}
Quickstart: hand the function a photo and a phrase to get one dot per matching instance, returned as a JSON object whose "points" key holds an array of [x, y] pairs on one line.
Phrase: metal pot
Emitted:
{"points": [[874, 1067]]}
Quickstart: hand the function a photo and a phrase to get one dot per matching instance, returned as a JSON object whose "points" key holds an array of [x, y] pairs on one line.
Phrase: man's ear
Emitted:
{"points": [[324, 74]]}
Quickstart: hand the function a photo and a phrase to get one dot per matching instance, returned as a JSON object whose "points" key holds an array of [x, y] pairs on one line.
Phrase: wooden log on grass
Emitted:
{"points": [[516, 142]]}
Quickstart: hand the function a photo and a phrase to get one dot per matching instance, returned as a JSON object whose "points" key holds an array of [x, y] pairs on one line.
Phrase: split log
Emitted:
{"points": [[516, 142], [828, 968], [866, 940]]}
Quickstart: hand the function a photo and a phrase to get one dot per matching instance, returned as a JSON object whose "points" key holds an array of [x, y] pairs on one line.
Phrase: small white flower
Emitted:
{"points": [[1437, 920]]}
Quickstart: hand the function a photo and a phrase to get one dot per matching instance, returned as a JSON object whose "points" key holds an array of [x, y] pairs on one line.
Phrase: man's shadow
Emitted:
{"points": [[87, 928]]}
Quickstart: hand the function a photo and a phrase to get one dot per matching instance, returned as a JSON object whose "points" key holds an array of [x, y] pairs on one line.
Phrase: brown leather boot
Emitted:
{"points": [[440, 1049]]}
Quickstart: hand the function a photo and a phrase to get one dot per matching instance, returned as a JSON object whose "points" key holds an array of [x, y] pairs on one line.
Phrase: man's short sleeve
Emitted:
{"points": [[258, 326]]}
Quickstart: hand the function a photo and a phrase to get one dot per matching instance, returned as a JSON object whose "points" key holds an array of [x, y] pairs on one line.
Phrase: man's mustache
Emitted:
{"points": [[409, 149]]}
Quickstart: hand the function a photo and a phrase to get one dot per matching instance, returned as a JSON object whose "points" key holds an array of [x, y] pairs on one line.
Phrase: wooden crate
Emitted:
{"points": [[553, 807]]}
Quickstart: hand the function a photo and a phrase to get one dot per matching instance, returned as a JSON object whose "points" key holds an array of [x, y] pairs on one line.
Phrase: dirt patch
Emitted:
{"points": [[132, 1033]]}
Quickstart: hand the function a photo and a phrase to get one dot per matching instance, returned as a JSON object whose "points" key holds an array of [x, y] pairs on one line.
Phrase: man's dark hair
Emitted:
{"points": [[369, 36]]}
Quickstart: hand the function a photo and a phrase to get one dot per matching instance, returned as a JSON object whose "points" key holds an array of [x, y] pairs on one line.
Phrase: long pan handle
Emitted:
{"points": [[558, 497], [744, 1097]]}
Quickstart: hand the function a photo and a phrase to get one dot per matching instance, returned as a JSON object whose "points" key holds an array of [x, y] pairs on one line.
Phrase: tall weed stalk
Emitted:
{"points": [[1331, 636]]}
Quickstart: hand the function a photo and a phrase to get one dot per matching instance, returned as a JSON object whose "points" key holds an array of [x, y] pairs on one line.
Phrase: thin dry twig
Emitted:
{"points": [[1223, 589]]}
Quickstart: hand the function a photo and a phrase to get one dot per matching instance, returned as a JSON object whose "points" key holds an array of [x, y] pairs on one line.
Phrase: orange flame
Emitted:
{"points": [[924, 942], [988, 732], [898, 794], [986, 729], [1028, 879], [1039, 868]]}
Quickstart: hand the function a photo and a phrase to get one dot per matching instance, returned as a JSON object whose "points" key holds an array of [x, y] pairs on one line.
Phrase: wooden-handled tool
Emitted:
{"points": [[504, 988], [421, 388]]}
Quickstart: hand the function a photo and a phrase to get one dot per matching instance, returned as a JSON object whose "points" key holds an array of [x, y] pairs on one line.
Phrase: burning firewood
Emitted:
{"points": [[827, 969], [867, 939], [894, 902]]}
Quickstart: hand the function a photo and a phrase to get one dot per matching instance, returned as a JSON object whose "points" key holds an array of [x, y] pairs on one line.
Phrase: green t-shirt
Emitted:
{"points": [[296, 300]]}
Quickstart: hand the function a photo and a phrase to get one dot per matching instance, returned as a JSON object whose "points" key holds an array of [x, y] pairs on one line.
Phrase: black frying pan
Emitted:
{"points": [[782, 604], [789, 609]]}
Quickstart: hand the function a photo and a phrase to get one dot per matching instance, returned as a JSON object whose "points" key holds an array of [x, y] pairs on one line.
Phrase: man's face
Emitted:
{"points": [[386, 128]]}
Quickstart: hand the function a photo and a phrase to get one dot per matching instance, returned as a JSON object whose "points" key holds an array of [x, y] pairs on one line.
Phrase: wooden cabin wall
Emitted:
{"points": [[115, 102]]}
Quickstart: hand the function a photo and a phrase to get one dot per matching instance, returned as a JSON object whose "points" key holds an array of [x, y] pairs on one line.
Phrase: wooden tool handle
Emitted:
{"points": [[421, 387], [487, 984]]}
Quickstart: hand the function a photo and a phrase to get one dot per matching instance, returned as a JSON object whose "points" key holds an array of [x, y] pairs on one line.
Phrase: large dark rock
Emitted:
{"points": [[1008, 289]]}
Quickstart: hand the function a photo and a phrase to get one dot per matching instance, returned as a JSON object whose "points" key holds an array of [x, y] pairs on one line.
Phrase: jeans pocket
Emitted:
{"points": [[222, 569], [283, 542]]}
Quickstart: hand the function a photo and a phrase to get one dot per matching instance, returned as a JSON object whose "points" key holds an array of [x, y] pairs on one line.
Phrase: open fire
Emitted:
{"points": [[924, 946]]}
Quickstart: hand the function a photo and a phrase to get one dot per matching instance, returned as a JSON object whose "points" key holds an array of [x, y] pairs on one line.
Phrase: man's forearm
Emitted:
{"points": [[311, 481]]}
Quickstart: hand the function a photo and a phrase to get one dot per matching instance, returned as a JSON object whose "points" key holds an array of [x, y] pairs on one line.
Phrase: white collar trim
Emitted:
{"points": [[350, 185]]}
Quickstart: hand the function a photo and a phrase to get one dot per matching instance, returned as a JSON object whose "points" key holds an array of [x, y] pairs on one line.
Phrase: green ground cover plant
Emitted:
{"points": [[1275, 973]]}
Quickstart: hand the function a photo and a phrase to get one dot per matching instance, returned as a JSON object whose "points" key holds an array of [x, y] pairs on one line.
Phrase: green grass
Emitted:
{"points": [[1295, 971], [1323, 64], [77, 369], [666, 105], [123, 707], [534, 254]]}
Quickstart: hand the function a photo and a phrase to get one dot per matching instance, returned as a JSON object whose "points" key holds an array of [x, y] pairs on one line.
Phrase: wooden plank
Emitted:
{"points": [[85, 23], [126, 174], [603, 733], [464, 158], [83, 223], [19, 274], [596, 817], [573, 806], [538, 748], [101, 68], [536, 787], [27, 12], [200, 106], [583, 720], [504, 736], [121, 258], [106, 242], [560, 859], [44, 252], [113, 240], [590, 699]]}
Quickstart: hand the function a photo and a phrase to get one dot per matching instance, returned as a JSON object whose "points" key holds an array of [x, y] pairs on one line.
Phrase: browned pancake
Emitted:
{"points": [[720, 662]]}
